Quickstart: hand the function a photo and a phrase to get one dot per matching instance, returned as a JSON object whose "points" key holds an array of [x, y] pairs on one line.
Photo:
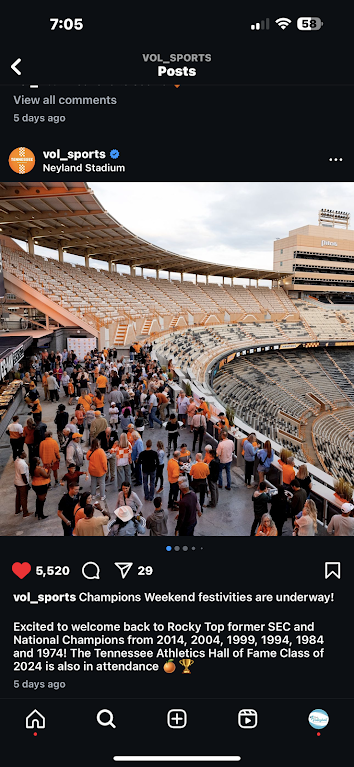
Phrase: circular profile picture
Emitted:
{"points": [[21, 160], [318, 718]]}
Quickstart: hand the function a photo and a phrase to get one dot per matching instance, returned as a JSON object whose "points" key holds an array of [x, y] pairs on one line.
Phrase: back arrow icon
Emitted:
{"points": [[14, 66]]}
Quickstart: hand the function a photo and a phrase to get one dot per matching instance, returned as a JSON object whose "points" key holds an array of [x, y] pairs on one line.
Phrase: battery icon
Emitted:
{"points": [[309, 23]]}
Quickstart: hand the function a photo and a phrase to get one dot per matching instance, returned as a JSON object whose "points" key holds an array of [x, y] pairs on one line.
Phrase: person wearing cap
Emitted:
{"points": [[72, 475], [343, 523], [204, 407], [90, 525], [74, 453], [126, 523]]}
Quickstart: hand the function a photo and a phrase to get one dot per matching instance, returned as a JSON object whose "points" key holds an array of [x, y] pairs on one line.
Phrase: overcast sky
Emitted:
{"points": [[224, 222]]}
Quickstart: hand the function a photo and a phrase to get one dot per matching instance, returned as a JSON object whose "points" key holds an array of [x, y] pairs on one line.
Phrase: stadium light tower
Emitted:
{"points": [[333, 218]]}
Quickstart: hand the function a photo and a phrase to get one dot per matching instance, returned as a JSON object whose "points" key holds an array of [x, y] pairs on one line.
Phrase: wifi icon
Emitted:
{"points": [[283, 22]]}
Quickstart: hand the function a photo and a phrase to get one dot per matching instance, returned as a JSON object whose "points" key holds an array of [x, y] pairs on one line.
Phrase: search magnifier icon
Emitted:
{"points": [[91, 577], [109, 720]]}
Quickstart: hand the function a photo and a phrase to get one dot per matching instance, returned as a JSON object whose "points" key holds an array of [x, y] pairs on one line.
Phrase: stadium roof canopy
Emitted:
{"points": [[69, 216]]}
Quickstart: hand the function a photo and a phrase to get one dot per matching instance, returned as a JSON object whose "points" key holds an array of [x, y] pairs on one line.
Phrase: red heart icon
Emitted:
{"points": [[21, 569]]}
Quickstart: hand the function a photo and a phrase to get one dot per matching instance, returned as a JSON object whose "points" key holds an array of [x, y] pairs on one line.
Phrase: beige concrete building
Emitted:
{"points": [[320, 260]]}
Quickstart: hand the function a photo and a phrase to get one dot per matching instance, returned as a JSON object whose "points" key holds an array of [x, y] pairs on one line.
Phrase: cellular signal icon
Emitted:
{"points": [[283, 22], [260, 25]]}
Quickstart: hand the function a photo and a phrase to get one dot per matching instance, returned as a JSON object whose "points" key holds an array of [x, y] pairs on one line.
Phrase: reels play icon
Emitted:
{"points": [[247, 718], [21, 160]]}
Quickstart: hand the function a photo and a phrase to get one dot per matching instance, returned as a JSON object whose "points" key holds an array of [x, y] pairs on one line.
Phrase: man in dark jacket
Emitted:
{"points": [[39, 432], [61, 420], [189, 509], [214, 468], [298, 500], [148, 460], [260, 499]]}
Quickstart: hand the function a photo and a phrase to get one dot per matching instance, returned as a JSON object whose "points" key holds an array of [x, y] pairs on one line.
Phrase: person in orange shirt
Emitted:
{"points": [[49, 455], [97, 468], [105, 353], [184, 452], [173, 472], [199, 473], [45, 385], [267, 526], [223, 423], [101, 383], [86, 401], [99, 400], [288, 472], [71, 390], [35, 404], [208, 454], [131, 429], [204, 407]]}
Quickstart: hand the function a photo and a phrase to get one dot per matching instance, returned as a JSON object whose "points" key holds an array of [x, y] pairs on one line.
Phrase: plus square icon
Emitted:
{"points": [[177, 718]]}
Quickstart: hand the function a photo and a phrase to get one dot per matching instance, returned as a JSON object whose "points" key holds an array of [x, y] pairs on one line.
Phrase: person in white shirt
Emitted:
{"points": [[113, 414], [15, 431], [182, 402], [342, 524], [199, 428], [152, 411], [22, 485], [224, 451]]}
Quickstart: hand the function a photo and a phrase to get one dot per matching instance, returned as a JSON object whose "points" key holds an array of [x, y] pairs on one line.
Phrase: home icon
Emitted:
{"points": [[35, 720]]}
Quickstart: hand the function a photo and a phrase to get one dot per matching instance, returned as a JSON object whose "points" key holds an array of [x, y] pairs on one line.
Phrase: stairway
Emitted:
{"points": [[146, 329], [173, 322], [120, 336]]}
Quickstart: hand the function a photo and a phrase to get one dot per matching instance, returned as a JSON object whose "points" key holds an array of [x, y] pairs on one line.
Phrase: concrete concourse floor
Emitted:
{"points": [[232, 517]]}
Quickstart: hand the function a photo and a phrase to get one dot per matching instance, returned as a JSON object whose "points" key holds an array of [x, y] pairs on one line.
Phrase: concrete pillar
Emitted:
{"points": [[249, 281], [157, 274], [31, 245], [47, 321], [87, 260], [110, 266], [256, 283], [132, 271], [61, 254], [223, 280], [169, 275], [182, 277], [207, 279]]}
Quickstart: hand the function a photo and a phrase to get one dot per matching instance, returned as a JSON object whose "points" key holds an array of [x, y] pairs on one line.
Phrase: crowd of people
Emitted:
{"points": [[103, 442]]}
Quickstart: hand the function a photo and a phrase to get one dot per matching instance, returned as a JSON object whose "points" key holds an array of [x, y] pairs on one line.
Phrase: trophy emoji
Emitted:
{"points": [[186, 662]]}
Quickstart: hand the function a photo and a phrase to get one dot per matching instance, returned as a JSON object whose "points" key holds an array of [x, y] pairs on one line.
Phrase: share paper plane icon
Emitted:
{"points": [[124, 568]]}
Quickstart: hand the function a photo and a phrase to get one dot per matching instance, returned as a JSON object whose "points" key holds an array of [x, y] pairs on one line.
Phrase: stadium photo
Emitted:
{"points": [[201, 383]]}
